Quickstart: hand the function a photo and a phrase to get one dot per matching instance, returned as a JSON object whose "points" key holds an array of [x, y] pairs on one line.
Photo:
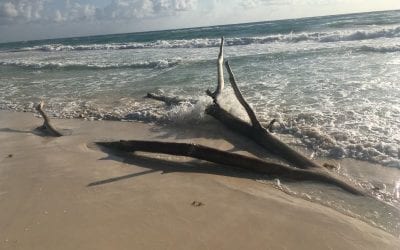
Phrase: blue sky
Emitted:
{"points": [[38, 19]]}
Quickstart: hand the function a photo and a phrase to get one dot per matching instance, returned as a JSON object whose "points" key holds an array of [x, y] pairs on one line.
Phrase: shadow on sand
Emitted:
{"points": [[39, 131], [211, 130], [169, 166]]}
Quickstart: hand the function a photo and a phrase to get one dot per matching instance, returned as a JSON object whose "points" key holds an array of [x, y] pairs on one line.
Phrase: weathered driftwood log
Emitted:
{"points": [[255, 131], [46, 124], [262, 137], [303, 167], [231, 159]]}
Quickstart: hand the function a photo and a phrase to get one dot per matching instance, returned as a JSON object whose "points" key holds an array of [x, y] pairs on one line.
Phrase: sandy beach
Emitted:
{"points": [[65, 193]]}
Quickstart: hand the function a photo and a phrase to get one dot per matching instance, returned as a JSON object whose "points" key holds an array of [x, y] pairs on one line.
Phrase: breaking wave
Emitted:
{"points": [[159, 64], [339, 145], [322, 37], [381, 49], [334, 143]]}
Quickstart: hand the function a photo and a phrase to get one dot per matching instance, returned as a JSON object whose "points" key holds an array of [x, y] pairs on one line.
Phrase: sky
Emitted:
{"points": [[40, 19]]}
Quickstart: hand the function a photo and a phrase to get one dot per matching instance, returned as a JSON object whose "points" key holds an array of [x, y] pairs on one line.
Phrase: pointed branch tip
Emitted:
{"points": [[220, 73], [250, 112]]}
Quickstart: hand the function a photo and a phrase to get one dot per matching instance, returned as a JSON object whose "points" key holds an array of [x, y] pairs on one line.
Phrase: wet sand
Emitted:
{"points": [[65, 193]]}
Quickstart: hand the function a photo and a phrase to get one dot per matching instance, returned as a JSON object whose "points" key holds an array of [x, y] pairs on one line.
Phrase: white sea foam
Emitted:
{"points": [[323, 37], [158, 64], [325, 144], [321, 138], [187, 113]]}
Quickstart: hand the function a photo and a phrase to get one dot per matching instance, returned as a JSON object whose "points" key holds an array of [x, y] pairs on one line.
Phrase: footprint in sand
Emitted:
{"points": [[197, 204]]}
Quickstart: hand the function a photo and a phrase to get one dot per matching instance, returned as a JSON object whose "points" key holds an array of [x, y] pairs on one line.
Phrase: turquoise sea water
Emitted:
{"points": [[332, 82]]}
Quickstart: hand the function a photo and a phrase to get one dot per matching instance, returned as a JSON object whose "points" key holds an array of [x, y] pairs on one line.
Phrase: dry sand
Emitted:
{"points": [[46, 203]]}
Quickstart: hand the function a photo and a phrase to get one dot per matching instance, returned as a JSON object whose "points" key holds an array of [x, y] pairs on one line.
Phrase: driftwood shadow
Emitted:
{"points": [[119, 178], [169, 166], [39, 131], [10, 130], [212, 130]]}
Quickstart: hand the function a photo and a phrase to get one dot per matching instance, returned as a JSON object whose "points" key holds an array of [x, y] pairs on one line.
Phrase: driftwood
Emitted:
{"points": [[255, 131], [220, 73], [230, 159], [47, 126], [301, 167]]}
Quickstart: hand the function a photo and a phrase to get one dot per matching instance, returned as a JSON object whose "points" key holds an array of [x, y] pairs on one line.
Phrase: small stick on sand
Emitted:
{"points": [[46, 124]]}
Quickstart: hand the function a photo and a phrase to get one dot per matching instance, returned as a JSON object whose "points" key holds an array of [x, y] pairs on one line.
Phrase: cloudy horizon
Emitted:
{"points": [[43, 19]]}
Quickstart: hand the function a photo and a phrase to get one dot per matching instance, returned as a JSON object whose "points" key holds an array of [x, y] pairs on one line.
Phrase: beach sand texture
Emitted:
{"points": [[58, 193]]}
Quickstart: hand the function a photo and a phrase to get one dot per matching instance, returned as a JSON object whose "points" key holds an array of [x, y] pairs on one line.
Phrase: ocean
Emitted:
{"points": [[333, 82]]}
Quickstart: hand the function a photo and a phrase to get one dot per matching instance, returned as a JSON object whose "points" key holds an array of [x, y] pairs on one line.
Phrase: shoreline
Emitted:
{"points": [[152, 201]]}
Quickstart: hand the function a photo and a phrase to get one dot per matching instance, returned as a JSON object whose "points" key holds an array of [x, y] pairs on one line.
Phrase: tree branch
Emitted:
{"points": [[230, 159], [46, 124], [254, 131], [239, 96], [262, 137], [220, 72]]}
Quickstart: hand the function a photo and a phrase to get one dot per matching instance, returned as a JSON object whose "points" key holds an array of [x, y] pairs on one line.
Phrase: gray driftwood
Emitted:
{"points": [[47, 126], [253, 130], [232, 160], [301, 167]]}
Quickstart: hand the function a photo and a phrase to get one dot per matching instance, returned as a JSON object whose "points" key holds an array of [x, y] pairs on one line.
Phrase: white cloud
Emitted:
{"points": [[58, 17], [21, 10], [78, 12], [182, 5], [258, 3], [8, 10], [35, 19], [126, 9], [27, 11], [137, 9], [263, 3]]}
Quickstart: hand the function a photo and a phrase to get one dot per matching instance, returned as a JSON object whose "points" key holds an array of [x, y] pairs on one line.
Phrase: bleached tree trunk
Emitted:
{"points": [[301, 167]]}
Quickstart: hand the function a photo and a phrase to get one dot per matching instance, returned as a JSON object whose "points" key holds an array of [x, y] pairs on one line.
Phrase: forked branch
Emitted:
{"points": [[301, 167], [254, 131]]}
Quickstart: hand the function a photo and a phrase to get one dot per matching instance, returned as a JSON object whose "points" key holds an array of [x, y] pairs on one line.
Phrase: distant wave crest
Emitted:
{"points": [[323, 37], [159, 64]]}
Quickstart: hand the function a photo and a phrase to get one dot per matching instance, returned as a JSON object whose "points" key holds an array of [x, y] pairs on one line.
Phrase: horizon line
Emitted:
{"points": [[194, 27]]}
